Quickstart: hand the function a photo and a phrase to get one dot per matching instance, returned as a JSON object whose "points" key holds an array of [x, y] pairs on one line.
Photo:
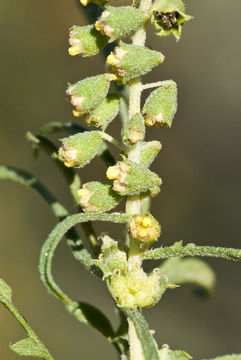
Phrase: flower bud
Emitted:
{"points": [[136, 288], [105, 112], [131, 178], [120, 21], [144, 228], [130, 61], [161, 105], [113, 256], [133, 129], [87, 94], [98, 197], [79, 149], [86, 40], [168, 16]]}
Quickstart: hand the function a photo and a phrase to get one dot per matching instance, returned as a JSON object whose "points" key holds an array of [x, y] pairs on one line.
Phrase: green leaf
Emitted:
{"points": [[25, 178], [194, 271], [5, 292], [147, 342], [192, 250], [31, 347], [54, 238], [227, 357], [92, 316], [56, 127]]}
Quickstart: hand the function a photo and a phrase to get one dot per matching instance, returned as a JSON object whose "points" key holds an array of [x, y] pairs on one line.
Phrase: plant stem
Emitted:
{"points": [[192, 250], [133, 203]]}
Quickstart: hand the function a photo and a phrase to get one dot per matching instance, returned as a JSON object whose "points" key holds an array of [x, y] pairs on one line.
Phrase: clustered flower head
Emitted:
{"points": [[168, 16], [136, 288], [144, 228]]}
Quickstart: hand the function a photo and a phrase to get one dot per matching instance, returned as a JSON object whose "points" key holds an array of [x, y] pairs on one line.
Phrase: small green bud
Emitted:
{"points": [[168, 16], [144, 228], [87, 94], [98, 197], [86, 40], [131, 178], [130, 61], [136, 288], [114, 257], [161, 105], [116, 22], [133, 129], [79, 149], [105, 112], [147, 150]]}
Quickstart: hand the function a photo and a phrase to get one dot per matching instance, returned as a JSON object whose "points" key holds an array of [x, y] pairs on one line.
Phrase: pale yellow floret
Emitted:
{"points": [[98, 25], [74, 50], [142, 233], [146, 221], [135, 137], [69, 163], [112, 77], [112, 59], [84, 2], [139, 219], [77, 113], [149, 121], [112, 172], [157, 120], [83, 192]]}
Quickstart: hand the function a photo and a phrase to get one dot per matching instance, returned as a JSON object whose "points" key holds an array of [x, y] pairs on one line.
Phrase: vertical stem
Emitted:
{"points": [[133, 203]]}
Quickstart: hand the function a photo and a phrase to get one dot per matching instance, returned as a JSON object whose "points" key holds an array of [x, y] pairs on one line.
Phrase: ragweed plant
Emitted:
{"points": [[118, 264]]}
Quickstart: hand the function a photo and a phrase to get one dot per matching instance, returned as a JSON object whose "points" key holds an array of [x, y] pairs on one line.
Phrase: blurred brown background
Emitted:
{"points": [[199, 165]]}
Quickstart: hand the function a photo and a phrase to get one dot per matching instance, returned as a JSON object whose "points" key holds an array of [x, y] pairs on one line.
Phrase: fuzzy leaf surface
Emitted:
{"points": [[148, 345], [31, 347]]}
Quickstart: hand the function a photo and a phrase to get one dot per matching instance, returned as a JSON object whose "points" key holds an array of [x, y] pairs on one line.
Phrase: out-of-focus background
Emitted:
{"points": [[199, 165]]}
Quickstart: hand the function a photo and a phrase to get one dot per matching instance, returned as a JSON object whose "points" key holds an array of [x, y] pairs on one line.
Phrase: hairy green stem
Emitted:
{"points": [[192, 250], [133, 203]]}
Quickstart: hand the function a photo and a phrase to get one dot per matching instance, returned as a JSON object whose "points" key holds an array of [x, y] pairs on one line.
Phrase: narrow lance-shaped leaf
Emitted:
{"points": [[192, 250], [31, 346], [147, 342], [92, 316], [194, 271]]}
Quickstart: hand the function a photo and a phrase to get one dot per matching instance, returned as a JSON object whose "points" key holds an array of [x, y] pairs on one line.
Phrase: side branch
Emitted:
{"points": [[192, 250]]}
